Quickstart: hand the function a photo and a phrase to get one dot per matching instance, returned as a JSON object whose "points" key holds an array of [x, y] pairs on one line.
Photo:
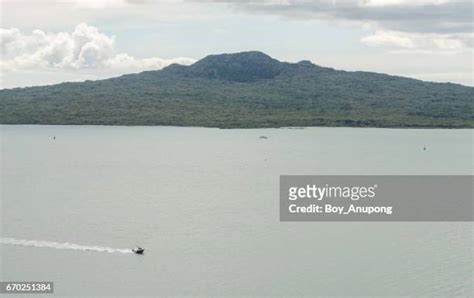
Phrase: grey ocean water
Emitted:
{"points": [[204, 203]]}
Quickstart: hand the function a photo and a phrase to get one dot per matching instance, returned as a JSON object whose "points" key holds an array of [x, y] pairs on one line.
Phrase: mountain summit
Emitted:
{"points": [[244, 90], [239, 67]]}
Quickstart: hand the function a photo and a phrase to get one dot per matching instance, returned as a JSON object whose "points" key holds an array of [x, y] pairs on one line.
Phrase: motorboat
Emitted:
{"points": [[138, 250]]}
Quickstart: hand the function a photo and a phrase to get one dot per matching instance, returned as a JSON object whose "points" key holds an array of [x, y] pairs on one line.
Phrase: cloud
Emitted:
{"points": [[80, 3], [435, 16], [401, 2], [101, 4], [389, 39], [446, 24], [125, 61], [403, 42], [84, 48]]}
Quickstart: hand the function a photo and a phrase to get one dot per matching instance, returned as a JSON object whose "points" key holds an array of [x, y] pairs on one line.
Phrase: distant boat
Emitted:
{"points": [[54, 138], [138, 250], [424, 148], [263, 137]]}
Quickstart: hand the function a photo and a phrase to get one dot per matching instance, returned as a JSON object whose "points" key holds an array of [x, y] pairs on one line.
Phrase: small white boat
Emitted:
{"points": [[138, 250]]}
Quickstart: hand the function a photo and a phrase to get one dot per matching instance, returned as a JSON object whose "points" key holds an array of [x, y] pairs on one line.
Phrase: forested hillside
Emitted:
{"points": [[244, 90]]}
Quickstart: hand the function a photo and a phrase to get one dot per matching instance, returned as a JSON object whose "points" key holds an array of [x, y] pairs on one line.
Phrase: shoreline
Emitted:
{"points": [[250, 128]]}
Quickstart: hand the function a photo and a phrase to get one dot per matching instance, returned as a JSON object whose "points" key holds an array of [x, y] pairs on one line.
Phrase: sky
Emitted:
{"points": [[46, 42]]}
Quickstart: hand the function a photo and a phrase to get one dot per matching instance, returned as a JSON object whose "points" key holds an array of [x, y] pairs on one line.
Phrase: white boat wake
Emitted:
{"points": [[59, 245]]}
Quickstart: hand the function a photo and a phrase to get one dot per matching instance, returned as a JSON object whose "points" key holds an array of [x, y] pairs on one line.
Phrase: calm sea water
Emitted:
{"points": [[204, 203]]}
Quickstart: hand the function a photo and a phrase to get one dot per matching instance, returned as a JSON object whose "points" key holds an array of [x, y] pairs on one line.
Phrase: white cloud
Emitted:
{"points": [[125, 61], [79, 3], [93, 4], [400, 2], [389, 39], [84, 48], [400, 23], [404, 42], [449, 44]]}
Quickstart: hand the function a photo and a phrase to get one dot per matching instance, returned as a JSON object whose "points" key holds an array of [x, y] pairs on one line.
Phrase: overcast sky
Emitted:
{"points": [[46, 42]]}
